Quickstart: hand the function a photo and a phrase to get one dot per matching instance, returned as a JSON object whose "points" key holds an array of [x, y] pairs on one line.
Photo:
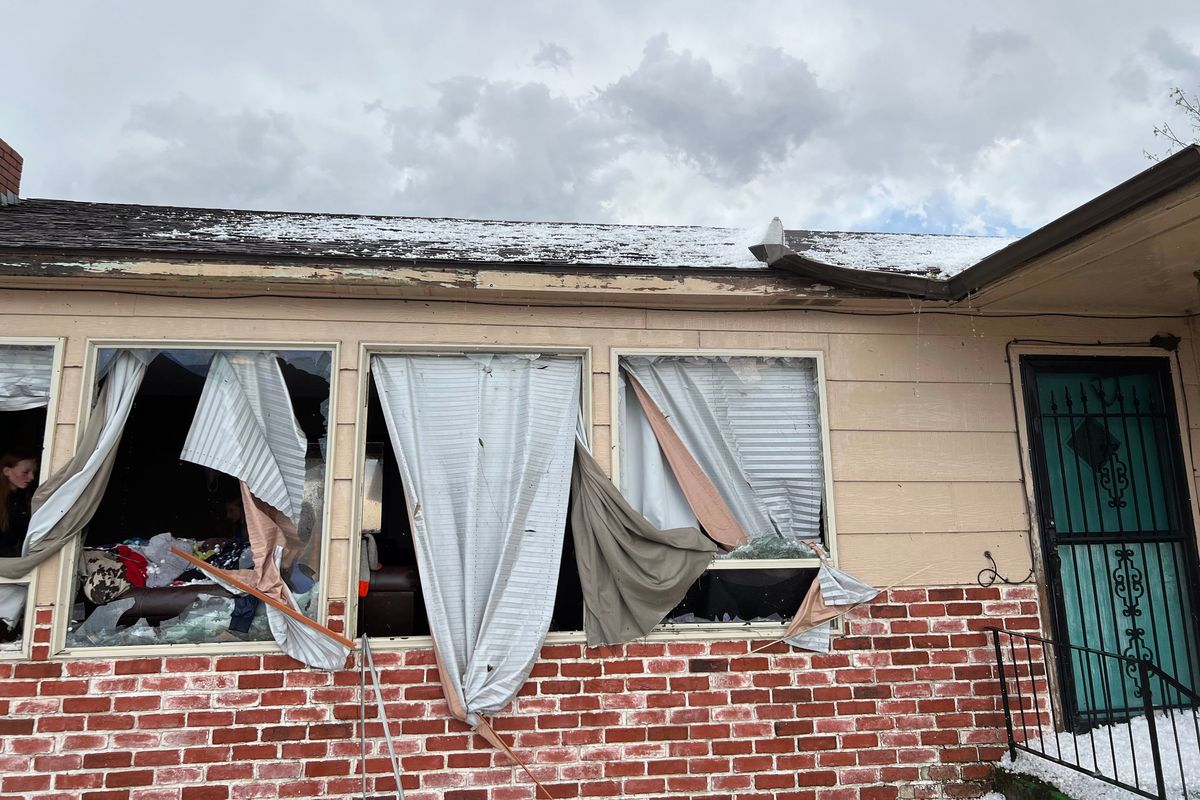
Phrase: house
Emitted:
{"points": [[995, 433]]}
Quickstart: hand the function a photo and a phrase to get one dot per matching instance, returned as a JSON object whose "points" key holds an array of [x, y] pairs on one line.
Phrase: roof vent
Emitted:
{"points": [[773, 245], [10, 174]]}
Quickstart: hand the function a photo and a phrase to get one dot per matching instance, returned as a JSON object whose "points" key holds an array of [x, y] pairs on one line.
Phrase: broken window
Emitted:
{"points": [[391, 602], [733, 445], [26, 373], [212, 435]]}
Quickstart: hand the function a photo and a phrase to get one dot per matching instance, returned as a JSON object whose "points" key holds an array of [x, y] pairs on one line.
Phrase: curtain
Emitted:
{"points": [[245, 427], [631, 572], [753, 425], [65, 503], [484, 445], [272, 535], [830, 595], [25, 373], [702, 496]]}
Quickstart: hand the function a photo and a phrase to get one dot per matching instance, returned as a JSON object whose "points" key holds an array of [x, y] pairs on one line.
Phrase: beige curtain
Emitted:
{"points": [[65, 503]]}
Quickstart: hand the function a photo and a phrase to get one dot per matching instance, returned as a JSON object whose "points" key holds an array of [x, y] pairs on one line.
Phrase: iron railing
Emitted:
{"points": [[1147, 748]]}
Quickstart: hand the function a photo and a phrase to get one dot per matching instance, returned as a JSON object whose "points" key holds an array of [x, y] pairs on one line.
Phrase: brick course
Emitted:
{"points": [[907, 706]]}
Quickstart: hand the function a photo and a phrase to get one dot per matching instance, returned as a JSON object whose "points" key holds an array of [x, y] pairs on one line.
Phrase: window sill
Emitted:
{"points": [[168, 650], [717, 631]]}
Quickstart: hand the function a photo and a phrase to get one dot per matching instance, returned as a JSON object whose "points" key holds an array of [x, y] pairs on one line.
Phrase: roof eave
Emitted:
{"points": [[890, 283], [1166, 176], [1170, 174]]}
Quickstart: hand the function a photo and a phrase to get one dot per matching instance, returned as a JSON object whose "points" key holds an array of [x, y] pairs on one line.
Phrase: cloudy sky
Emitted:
{"points": [[943, 117]]}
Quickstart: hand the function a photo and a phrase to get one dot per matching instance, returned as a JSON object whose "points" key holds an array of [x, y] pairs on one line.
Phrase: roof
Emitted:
{"points": [[67, 226], [897, 264], [1179, 170]]}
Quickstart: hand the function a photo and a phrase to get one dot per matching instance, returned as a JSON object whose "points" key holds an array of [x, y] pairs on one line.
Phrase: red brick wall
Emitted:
{"points": [[905, 707], [10, 173]]}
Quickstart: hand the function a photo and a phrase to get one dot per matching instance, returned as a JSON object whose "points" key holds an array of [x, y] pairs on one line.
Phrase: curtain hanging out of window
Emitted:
{"points": [[65, 503], [25, 374], [631, 572], [485, 445]]}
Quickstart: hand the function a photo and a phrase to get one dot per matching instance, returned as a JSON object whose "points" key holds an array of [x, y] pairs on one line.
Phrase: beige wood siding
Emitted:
{"points": [[923, 435]]}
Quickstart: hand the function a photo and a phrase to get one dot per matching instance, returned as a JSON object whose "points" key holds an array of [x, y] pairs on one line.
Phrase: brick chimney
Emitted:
{"points": [[10, 174]]}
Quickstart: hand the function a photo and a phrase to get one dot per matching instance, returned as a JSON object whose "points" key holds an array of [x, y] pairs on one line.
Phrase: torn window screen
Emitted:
{"points": [[753, 426], [156, 501], [26, 372]]}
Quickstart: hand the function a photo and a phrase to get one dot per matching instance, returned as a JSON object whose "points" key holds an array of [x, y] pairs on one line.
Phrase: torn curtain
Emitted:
{"points": [[272, 535], [830, 595], [485, 446], [245, 427], [631, 572], [64, 504]]}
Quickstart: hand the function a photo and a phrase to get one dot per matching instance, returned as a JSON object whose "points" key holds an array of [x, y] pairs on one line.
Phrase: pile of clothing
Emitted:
{"points": [[109, 572]]}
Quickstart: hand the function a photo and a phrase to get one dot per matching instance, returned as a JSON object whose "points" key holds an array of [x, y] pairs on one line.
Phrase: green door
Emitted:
{"points": [[1113, 507]]}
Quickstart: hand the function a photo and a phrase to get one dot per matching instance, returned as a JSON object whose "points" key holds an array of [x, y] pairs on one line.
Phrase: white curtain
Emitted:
{"points": [[485, 446], [646, 479], [245, 427], [25, 372], [753, 425], [123, 379]]}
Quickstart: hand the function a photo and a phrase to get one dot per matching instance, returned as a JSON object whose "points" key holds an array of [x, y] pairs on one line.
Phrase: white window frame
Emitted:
{"points": [[70, 553], [723, 630], [31, 581], [368, 349]]}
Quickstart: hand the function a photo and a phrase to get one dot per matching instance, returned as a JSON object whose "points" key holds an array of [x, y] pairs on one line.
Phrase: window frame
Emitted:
{"points": [[722, 630], [368, 349], [31, 581], [70, 554]]}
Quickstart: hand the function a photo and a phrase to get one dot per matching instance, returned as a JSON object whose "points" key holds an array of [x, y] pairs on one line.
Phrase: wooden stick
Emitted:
{"points": [[271, 601], [490, 734], [847, 610]]}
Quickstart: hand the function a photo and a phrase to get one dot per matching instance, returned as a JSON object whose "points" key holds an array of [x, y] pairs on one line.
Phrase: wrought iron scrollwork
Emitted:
{"points": [[1129, 586]]}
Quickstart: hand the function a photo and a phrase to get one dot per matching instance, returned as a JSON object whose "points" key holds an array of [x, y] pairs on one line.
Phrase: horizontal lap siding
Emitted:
{"points": [[923, 434]]}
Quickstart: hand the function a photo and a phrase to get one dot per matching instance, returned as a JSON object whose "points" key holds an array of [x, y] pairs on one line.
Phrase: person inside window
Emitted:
{"points": [[18, 472]]}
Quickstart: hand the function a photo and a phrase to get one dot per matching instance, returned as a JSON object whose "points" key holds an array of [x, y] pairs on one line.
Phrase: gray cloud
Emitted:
{"points": [[1174, 54], [924, 116], [504, 150], [552, 56], [183, 152], [731, 128]]}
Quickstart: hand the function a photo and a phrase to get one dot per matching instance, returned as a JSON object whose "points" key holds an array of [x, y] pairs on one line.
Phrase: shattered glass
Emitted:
{"points": [[771, 547], [206, 620]]}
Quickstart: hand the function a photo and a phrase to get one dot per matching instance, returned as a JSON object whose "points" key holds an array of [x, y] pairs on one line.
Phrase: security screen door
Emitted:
{"points": [[1112, 501]]}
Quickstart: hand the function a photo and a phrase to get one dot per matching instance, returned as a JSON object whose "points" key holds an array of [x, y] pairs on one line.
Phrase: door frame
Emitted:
{"points": [[1180, 435]]}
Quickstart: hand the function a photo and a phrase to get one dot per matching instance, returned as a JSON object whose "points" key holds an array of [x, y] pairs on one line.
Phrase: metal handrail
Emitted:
{"points": [[1031, 706]]}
